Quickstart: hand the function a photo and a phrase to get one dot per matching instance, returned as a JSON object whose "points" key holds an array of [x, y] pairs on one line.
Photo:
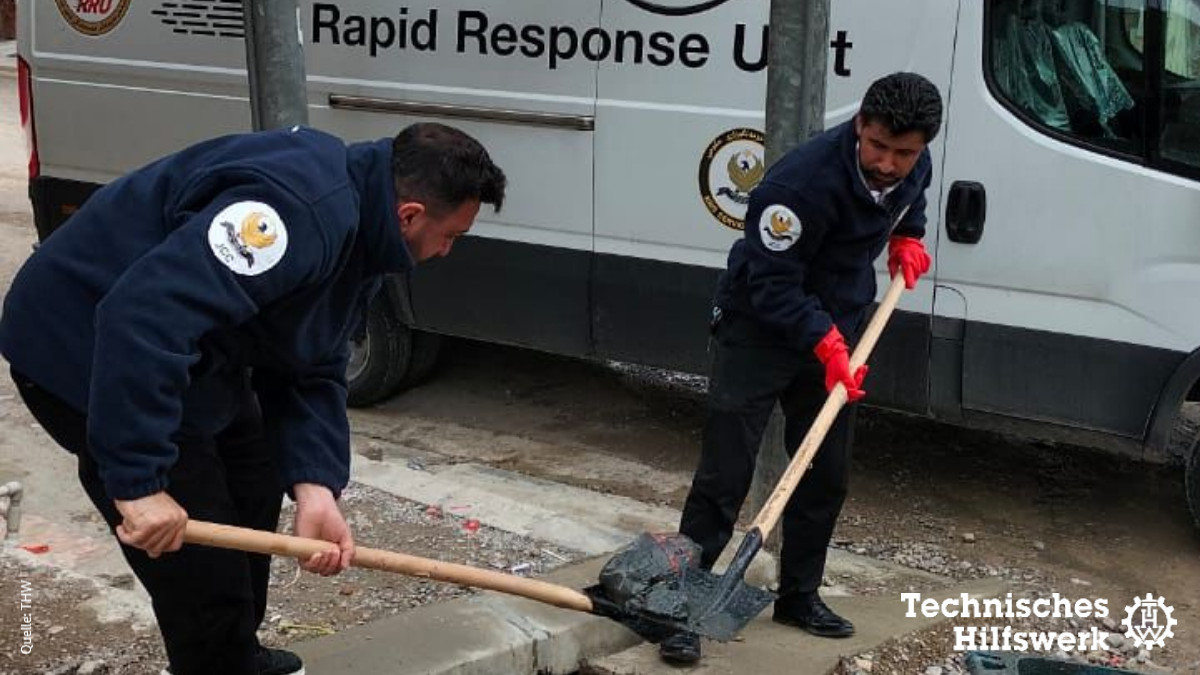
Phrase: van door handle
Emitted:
{"points": [[966, 210]]}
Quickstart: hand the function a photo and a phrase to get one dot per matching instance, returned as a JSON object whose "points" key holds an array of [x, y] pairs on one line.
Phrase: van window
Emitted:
{"points": [[1081, 70], [1071, 65], [1181, 82]]}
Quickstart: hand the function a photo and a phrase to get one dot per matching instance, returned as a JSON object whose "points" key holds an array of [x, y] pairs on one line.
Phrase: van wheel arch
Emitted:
{"points": [[1182, 387], [1174, 431], [388, 355]]}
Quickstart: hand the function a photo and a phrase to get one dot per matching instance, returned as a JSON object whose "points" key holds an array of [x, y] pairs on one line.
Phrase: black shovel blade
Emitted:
{"points": [[702, 615], [649, 627], [719, 608], [655, 586]]}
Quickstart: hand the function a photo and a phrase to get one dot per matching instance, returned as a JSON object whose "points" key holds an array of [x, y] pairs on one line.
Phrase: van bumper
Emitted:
{"points": [[55, 199]]}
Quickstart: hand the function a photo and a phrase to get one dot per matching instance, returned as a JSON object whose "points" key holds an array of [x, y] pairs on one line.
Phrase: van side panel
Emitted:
{"points": [[491, 69], [679, 145], [502, 291], [1096, 384], [1074, 298], [109, 103]]}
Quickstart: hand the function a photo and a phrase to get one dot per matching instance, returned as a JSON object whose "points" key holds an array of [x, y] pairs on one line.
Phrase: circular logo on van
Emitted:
{"points": [[729, 169], [678, 7], [93, 17]]}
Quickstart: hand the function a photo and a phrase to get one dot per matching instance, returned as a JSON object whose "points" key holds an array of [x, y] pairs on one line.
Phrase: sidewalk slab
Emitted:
{"points": [[767, 648], [486, 634], [589, 522], [492, 633]]}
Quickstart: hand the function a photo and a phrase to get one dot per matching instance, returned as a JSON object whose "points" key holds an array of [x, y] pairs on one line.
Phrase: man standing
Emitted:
{"points": [[797, 283], [185, 335]]}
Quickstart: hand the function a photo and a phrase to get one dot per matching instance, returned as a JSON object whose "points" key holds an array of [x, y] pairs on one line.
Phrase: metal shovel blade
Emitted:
{"points": [[719, 609]]}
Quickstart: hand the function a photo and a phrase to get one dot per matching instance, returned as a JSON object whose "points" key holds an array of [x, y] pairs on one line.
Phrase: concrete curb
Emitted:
{"points": [[491, 633], [484, 634], [767, 648]]}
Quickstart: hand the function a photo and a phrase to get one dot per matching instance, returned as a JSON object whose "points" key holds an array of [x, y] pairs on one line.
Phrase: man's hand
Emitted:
{"points": [[907, 255], [154, 524], [318, 517], [832, 352]]}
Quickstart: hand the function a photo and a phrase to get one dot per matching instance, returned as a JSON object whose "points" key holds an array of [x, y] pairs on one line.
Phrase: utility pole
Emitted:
{"points": [[796, 62], [275, 63]]}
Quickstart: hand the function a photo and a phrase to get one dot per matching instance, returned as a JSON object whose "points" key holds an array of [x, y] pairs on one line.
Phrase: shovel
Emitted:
{"points": [[718, 606], [271, 543]]}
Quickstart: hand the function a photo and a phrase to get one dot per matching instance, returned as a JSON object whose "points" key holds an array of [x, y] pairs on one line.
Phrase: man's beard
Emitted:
{"points": [[879, 181]]}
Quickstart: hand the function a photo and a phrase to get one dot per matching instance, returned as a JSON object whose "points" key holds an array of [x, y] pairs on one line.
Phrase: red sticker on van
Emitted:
{"points": [[93, 17]]}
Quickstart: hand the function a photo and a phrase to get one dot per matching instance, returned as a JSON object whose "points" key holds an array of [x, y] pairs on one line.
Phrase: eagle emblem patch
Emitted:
{"points": [[248, 237], [779, 227]]}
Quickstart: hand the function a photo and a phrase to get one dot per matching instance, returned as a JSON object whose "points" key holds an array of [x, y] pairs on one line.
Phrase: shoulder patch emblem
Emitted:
{"points": [[779, 227], [248, 237]]}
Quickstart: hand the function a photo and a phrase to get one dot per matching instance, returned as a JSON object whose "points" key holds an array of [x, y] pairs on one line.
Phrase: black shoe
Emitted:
{"points": [[813, 615], [271, 662], [277, 662], [681, 649]]}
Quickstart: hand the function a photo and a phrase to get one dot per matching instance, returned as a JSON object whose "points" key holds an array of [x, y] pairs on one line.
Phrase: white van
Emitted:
{"points": [[1064, 213]]}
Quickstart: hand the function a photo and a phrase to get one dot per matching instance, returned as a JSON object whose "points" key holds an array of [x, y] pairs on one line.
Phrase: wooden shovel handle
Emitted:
{"points": [[258, 541], [773, 508]]}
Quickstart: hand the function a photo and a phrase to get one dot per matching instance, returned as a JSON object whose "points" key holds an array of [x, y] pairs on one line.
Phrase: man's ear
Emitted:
{"points": [[406, 211], [858, 124]]}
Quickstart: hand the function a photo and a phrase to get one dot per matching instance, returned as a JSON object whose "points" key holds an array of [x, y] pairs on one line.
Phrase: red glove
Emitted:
{"points": [[909, 256], [832, 352]]}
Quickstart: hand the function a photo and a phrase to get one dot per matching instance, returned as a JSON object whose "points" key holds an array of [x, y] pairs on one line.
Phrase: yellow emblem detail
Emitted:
{"points": [[780, 223], [745, 170], [256, 231]]}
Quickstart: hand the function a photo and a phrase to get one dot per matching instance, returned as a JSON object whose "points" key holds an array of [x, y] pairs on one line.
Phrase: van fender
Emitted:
{"points": [[1179, 388]]}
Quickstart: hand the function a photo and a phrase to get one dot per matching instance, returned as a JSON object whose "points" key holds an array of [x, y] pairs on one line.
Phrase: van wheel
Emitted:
{"points": [[1191, 479], [379, 357], [423, 359]]}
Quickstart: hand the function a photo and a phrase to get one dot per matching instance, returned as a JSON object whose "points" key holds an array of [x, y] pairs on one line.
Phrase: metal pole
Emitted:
{"points": [[797, 58], [275, 63], [798, 54]]}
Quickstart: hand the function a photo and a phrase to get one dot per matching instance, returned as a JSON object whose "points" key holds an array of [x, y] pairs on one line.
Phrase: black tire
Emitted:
{"points": [[379, 356], [423, 359], [1191, 480]]}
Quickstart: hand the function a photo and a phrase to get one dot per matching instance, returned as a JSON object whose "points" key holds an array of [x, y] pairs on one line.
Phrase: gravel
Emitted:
{"points": [[68, 640]]}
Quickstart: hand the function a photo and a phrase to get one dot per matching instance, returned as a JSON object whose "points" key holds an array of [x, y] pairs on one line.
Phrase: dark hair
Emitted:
{"points": [[443, 167], [903, 102]]}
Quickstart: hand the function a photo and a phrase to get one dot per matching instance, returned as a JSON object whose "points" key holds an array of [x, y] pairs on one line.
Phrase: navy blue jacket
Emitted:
{"points": [[148, 308], [812, 234]]}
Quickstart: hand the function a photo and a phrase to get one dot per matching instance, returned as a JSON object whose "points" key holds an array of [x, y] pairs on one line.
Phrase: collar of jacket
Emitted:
{"points": [[370, 167]]}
